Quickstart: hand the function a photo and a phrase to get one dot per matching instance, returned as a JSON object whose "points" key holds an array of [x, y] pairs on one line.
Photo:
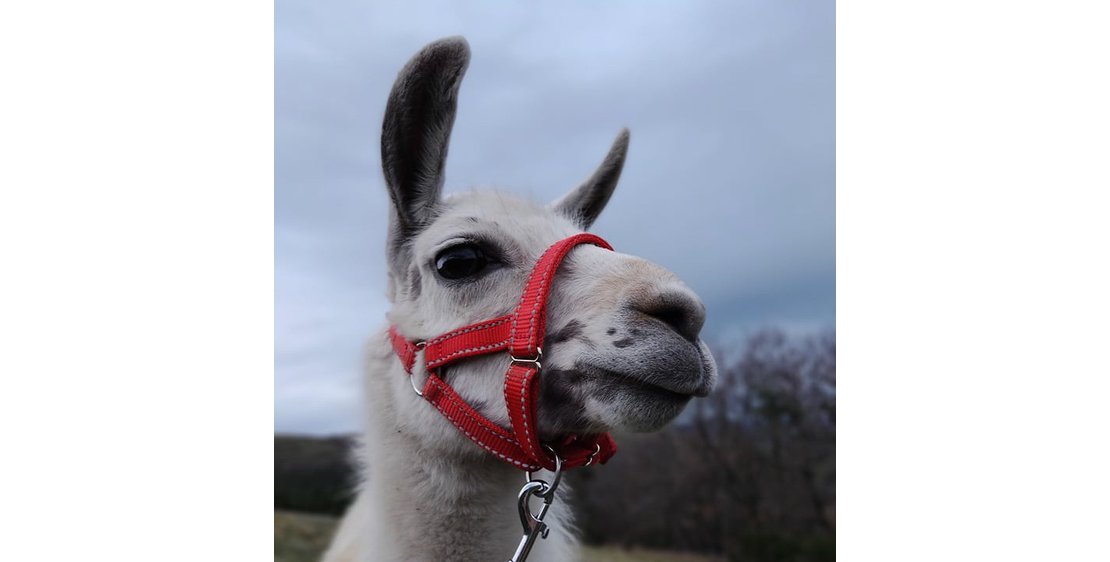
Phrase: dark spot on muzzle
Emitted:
{"points": [[623, 343]]}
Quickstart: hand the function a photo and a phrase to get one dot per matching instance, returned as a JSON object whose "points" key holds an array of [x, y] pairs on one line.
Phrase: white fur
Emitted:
{"points": [[428, 493]]}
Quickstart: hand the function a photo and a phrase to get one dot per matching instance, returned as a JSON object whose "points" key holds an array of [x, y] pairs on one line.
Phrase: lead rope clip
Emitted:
{"points": [[532, 523]]}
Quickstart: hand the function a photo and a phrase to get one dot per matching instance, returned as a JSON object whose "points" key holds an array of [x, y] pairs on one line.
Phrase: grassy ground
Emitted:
{"points": [[300, 537]]}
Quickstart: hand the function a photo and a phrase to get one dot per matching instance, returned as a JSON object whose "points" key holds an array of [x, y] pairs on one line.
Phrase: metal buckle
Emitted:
{"points": [[529, 361]]}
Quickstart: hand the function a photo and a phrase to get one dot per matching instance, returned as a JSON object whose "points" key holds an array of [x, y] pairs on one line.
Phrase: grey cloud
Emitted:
{"points": [[729, 179]]}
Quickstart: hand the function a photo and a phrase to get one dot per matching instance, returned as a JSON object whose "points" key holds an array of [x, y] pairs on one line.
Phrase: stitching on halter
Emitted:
{"points": [[467, 329], [477, 421], [441, 360], [514, 462], [527, 435], [536, 306]]}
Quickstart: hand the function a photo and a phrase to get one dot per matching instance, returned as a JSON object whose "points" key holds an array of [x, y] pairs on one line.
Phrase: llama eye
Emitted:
{"points": [[458, 262]]}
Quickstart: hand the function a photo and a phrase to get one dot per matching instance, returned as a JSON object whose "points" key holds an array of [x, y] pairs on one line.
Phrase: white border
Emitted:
{"points": [[972, 281], [136, 303], [136, 310]]}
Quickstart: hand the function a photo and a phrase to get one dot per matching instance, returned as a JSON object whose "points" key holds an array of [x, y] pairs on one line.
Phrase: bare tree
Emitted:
{"points": [[750, 471]]}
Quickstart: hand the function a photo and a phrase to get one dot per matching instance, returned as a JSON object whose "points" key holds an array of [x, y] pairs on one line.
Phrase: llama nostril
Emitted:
{"points": [[682, 312]]}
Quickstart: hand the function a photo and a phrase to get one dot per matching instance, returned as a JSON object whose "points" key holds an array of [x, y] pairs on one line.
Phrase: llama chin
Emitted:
{"points": [[621, 350]]}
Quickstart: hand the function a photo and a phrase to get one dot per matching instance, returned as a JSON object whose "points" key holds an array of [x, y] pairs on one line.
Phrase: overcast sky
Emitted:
{"points": [[729, 180]]}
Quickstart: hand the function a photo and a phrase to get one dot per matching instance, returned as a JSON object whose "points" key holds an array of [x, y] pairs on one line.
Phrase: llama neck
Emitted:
{"points": [[434, 495]]}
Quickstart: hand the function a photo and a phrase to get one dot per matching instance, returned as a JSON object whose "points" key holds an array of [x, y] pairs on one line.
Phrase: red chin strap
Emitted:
{"points": [[520, 335]]}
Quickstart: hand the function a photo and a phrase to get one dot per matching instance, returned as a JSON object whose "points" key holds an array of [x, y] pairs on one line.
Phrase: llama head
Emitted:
{"points": [[622, 350]]}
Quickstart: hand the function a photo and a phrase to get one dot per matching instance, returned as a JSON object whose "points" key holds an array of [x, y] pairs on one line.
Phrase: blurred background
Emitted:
{"points": [[729, 183]]}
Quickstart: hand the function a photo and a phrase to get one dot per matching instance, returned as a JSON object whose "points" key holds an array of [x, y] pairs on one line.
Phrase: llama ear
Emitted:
{"points": [[585, 202], [417, 126]]}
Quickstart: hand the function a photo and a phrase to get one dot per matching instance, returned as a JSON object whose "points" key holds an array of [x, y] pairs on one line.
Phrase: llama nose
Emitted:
{"points": [[680, 310]]}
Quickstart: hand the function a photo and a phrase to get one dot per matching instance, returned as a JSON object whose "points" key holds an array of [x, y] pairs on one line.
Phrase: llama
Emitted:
{"points": [[621, 351]]}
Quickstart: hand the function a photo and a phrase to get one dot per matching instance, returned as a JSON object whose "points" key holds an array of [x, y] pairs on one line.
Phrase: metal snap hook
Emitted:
{"points": [[532, 524]]}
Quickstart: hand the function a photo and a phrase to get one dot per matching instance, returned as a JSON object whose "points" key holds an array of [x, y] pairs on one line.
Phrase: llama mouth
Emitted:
{"points": [[616, 380]]}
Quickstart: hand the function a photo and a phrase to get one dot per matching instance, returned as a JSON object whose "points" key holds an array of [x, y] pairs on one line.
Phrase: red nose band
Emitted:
{"points": [[519, 336]]}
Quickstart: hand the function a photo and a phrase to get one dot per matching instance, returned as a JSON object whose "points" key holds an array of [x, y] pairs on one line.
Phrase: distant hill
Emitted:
{"points": [[313, 474]]}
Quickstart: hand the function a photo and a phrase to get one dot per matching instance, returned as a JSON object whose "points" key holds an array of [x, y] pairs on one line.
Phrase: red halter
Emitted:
{"points": [[520, 333]]}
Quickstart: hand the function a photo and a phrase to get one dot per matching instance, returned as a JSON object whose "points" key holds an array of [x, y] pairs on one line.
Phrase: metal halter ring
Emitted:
{"points": [[412, 380], [550, 490], [590, 459]]}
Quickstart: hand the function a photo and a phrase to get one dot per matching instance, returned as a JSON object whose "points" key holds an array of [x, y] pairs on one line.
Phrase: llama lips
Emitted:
{"points": [[661, 385], [657, 358]]}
